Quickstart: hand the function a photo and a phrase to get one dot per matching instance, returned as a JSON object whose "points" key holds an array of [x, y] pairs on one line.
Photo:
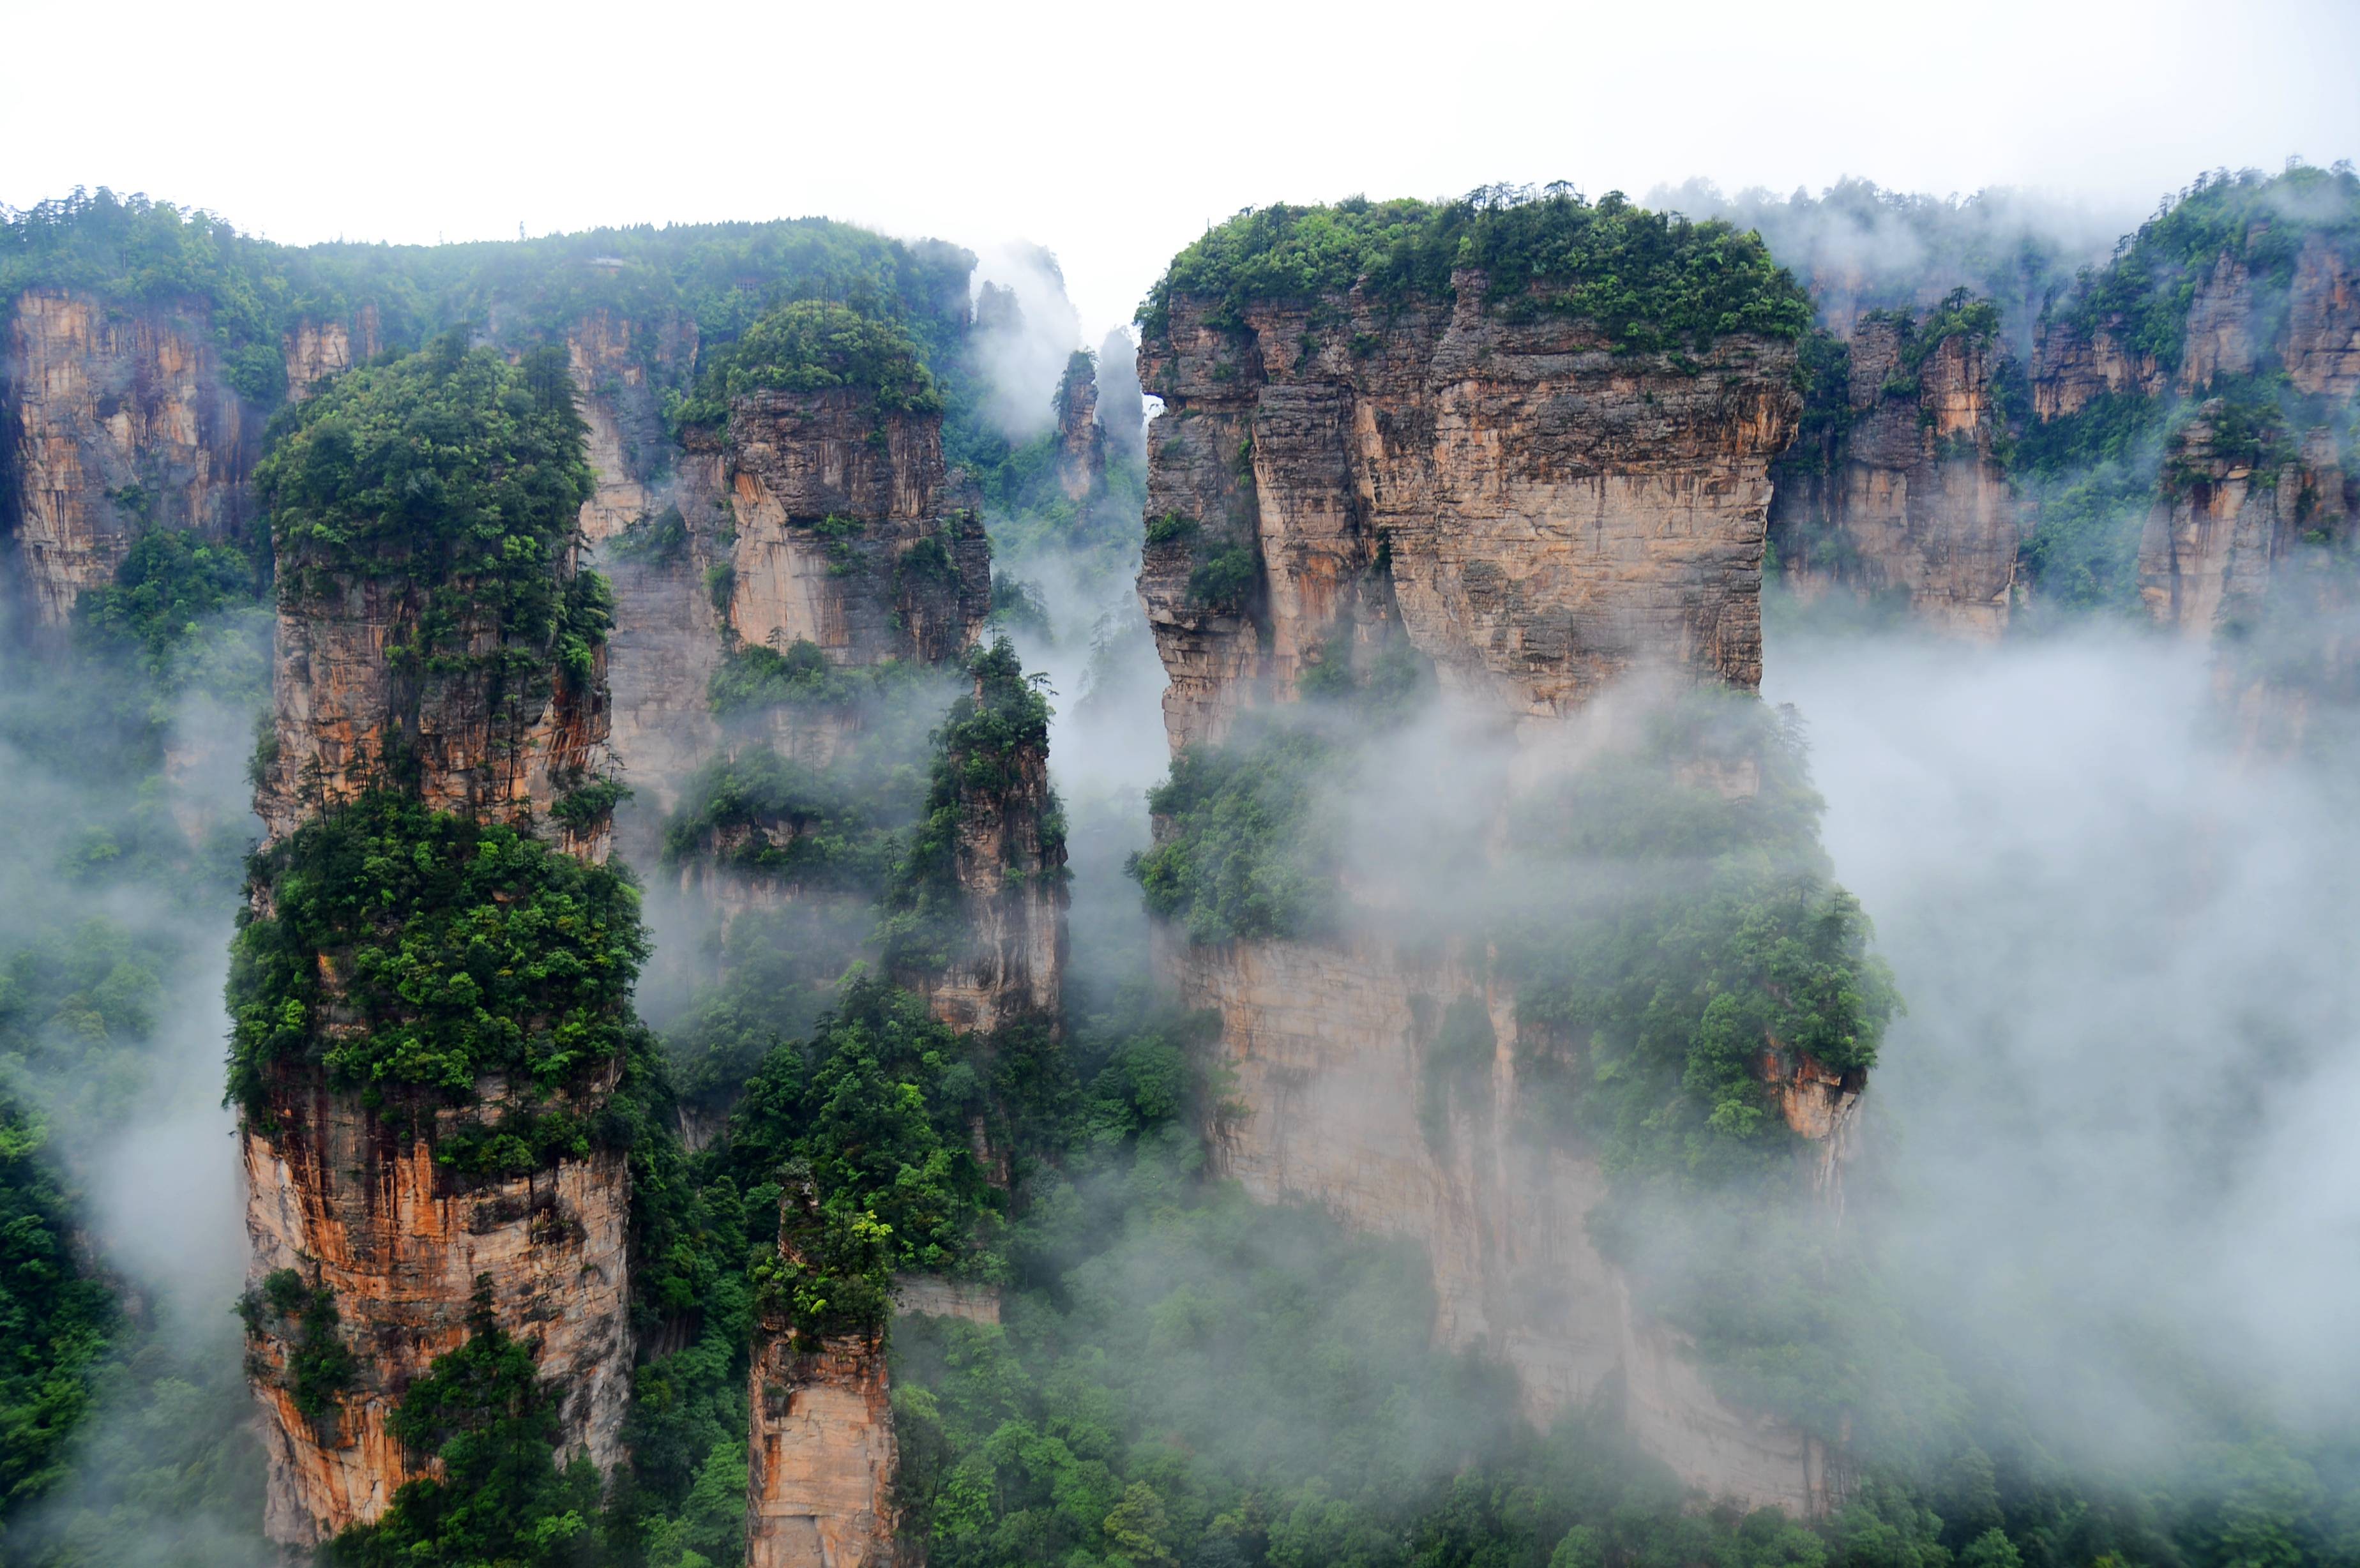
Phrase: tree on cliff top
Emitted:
{"points": [[812, 345], [1648, 280], [464, 475]]}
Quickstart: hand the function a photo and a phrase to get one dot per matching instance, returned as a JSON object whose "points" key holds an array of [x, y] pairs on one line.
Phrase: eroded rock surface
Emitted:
{"points": [[117, 419]]}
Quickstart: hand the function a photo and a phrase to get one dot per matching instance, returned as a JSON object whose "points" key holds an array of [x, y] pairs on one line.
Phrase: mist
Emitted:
{"points": [[2109, 1134]]}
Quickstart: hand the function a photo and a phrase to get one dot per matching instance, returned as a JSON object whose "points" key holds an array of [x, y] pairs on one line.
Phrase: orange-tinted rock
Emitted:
{"points": [[335, 1194], [120, 420]]}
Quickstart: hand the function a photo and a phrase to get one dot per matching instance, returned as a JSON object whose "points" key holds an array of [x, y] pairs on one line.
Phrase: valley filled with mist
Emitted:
{"points": [[1530, 881]]}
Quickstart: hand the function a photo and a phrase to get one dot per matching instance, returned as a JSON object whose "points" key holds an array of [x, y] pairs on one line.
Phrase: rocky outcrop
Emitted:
{"points": [[1340, 1097], [1548, 514], [1081, 445], [365, 1214], [2225, 515], [850, 533], [486, 742], [114, 418], [1009, 864], [1538, 517], [1901, 492], [353, 1198], [821, 1454]]}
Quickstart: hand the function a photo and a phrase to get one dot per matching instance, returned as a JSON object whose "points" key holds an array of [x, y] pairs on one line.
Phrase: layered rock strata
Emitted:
{"points": [[115, 419], [362, 1211], [1549, 514], [849, 532], [1538, 517], [1903, 494]]}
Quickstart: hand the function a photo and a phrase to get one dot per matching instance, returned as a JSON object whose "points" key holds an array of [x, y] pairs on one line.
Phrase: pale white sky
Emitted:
{"points": [[1112, 133]]}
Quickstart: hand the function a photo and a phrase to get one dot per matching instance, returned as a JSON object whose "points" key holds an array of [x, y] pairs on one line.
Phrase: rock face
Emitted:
{"points": [[1081, 445], [113, 419], [1546, 514], [849, 532], [821, 1454], [1010, 866], [488, 744], [1902, 493], [359, 1211], [617, 364], [1539, 516], [358, 1207]]}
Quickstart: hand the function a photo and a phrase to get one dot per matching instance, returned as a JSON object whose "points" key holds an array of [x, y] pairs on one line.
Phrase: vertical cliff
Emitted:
{"points": [[1897, 488], [116, 418], [1547, 513], [821, 1454], [976, 914], [1536, 505], [431, 988]]}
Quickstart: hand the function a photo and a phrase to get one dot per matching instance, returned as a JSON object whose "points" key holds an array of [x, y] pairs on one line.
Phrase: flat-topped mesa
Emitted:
{"points": [[431, 990], [116, 420], [1896, 487], [1546, 513]]}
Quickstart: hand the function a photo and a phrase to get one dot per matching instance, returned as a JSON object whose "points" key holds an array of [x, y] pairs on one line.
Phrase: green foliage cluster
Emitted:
{"points": [[186, 609], [1664, 933], [457, 949], [759, 811], [994, 737], [1648, 281], [488, 1421], [1247, 842], [321, 1367], [1224, 582], [659, 539], [812, 345], [753, 677], [2142, 297], [57, 1318], [461, 475]]}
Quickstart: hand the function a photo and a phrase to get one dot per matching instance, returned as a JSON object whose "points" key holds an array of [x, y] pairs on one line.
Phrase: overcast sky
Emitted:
{"points": [[1112, 134]]}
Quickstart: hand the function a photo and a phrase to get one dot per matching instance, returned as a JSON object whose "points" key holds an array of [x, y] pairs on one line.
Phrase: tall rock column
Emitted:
{"points": [[821, 1454], [431, 989], [1538, 517]]}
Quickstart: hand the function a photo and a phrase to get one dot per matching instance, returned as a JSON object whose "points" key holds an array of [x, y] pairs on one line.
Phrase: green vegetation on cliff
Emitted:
{"points": [[459, 475], [2142, 297], [406, 954], [812, 345], [1649, 281], [990, 753]]}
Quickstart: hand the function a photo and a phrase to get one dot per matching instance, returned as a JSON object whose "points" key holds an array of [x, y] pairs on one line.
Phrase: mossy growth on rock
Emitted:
{"points": [[462, 478], [1648, 281], [407, 955], [814, 346]]}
